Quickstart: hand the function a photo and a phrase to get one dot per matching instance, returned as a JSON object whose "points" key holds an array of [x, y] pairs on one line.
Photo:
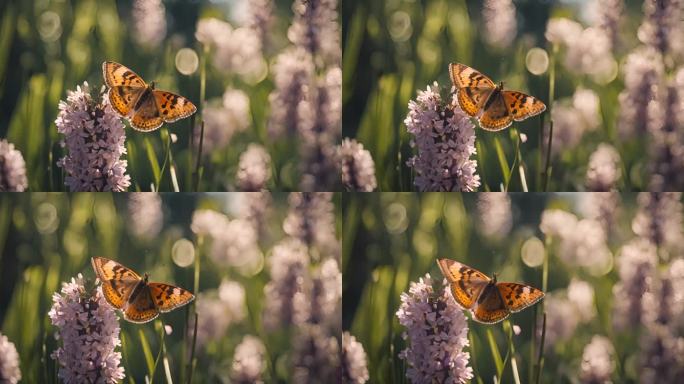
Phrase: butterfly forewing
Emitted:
{"points": [[173, 107], [472, 88], [466, 283], [141, 308], [490, 307], [167, 297], [517, 297], [118, 281], [496, 116], [522, 106], [116, 74], [123, 98]]}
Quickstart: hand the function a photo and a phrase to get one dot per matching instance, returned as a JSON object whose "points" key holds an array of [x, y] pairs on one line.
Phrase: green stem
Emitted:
{"points": [[516, 160], [192, 362], [552, 90], [197, 174]]}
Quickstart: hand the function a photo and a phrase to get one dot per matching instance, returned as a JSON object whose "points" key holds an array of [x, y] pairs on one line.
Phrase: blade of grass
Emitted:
{"points": [[540, 360], [154, 162], [503, 163], [147, 352], [516, 158], [473, 354], [124, 353], [508, 329], [192, 351], [496, 355]]}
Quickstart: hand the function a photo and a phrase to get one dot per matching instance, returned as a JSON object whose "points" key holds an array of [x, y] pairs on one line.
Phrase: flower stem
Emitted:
{"points": [[552, 89], [198, 168]]}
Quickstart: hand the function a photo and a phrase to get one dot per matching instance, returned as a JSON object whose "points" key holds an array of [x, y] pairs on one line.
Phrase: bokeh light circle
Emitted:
{"points": [[183, 253], [187, 61], [537, 61], [533, 252]]}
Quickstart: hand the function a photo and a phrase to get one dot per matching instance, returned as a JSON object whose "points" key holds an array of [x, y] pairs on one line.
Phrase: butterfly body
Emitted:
{"points": [[488, 300], [139, 300], [495, 108], [144, 106]]}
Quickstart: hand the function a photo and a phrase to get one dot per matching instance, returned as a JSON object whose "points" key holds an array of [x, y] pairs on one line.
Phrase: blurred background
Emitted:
{"points": [[244, 255], [612, 262], [602, 67], [222, 55]]}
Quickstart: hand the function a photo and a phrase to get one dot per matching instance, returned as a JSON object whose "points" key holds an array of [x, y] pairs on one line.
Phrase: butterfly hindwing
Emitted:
{"points": [[173, 107], [117, 281], [141, 308], [521, 105], [466, 283], [116, 74], [490, 307], [167, 297], [517, 297], [146, 114], [495, 116]]}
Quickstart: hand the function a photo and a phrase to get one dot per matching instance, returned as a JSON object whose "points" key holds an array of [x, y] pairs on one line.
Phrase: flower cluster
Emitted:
{"points": [[88, 328], [573, 118], [146, 214], [662, 27], [499, 22], [9, 361], [598, 361], [248, 361], [636, 266], [436, 333], [495, 216], [293, 71], [218, 309], [311, 219], [358, 168], [94, 138], [354, 364], [445, 141], [659, 219], [149, 23], [604, 170], [315, 28], [223, 120], [254, 169], [12, 169]]}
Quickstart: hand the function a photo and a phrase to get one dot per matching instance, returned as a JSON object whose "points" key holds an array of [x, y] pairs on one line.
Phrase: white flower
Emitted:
{"points": [[598, 361], [604, 170], [248, 361], [254, 168], [146, 214], [358, 168], [354, 364], [9, 362], [12, 169]]}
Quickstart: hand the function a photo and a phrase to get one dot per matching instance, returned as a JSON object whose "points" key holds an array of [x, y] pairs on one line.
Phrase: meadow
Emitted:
{"points": [[246, 65], [609, 72], [610, 266], [245, 256]]}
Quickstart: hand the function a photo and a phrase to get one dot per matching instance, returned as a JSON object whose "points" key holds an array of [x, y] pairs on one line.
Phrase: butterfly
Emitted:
{"points": [[139, 300], [145, 107], [495, 108], [488, 301]]}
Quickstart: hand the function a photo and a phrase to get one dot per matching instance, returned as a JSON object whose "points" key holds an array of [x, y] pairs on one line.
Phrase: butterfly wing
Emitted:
{"points": [[117, 281], [490, 307], [473, 88], [496, 116], [173, 107], [518, 296], [466, 283], [123, 98], [116, 74], [522, 106], [146, 114], [167, 297], [142, 308]]}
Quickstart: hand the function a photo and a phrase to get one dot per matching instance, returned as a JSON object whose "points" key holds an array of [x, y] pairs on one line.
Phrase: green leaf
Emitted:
{"points": [[147, 351], [154, 162]]}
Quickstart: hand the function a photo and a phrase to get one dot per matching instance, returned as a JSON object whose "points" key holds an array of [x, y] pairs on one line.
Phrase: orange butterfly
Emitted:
{"points": [[495, 108], [488, 301], [145, 107], [139, 300]]}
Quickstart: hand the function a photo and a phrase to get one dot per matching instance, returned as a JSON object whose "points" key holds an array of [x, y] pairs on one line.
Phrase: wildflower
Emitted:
{"points": [[589, 53], [499, 22], [643, 71], [222, 122], [311, 219], [291, 111], [562, 30], [436, 334], [320, 169], [12, 169], [562, 318], [358, 168], [445, 141], [603, 207], [659, 219], [581, 294], [573, 118], [316, 355], [255, 209], [149, 23], [662, 26], [207, 222], [598, 361], [325, 295], [235, 245], [495, 216], [254, 168], [146, 214], [555, 221], [636, 267], [218, 310], [285, 294], [607, 18], [94, 137], [9, 361], [603, 172], [660, 355], [248, 361], [89, 330], [354, 365], [667, 148], [260, 18], [315, 28]]}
